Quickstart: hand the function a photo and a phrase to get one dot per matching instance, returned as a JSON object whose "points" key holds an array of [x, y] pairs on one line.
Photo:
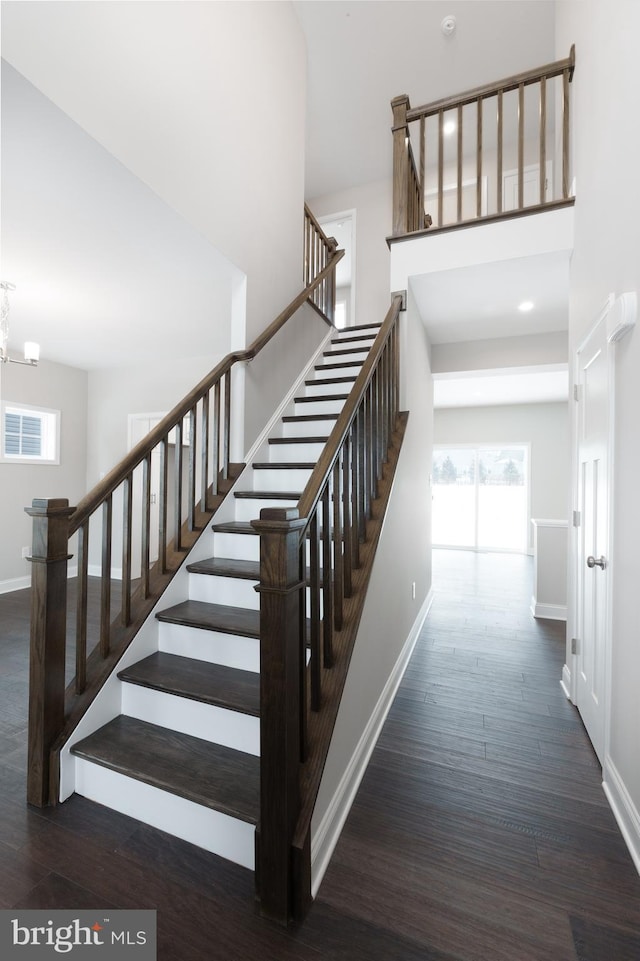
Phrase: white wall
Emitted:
{"points": [[372, 203], [544, 426], [391, 617], [57, 387], [206, 106], [605, 259], [495, 352]]}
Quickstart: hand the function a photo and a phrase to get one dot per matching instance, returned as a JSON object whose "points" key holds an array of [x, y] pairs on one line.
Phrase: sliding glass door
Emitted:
{"points": [[480, 497]]}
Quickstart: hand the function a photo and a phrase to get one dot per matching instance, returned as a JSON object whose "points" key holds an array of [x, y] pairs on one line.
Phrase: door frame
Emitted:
{"points": [[570, 684]]}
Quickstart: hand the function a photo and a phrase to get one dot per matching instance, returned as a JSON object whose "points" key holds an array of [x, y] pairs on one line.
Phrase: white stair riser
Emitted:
{"points": [[216, 647], [364, 337], [308, 428], [232, 591], [292, 453], [242, 547], [206, 721], [216, 832], [321, 406], [319, 389], [294, 479], [248, 508]]}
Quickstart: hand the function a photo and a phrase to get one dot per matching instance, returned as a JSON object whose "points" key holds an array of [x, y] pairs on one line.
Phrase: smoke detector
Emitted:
{"points": [[448, 26]]}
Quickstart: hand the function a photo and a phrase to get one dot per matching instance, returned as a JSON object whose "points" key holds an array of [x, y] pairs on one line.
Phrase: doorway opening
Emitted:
{"points": [[342, 226], [481, 497]]}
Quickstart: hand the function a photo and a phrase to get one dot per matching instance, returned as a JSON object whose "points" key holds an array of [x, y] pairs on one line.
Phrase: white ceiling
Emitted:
{"points": [[481, 302]]}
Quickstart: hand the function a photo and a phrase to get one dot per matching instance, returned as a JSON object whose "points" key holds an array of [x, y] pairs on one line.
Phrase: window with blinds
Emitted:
{"points": [[30, 435]]}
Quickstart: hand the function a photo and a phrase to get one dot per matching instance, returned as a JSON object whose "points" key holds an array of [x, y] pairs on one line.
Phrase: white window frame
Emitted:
{"points": [[50, 420]]}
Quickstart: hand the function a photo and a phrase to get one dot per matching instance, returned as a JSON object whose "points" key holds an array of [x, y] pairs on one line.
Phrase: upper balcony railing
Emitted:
{"points": [[493, 152]]}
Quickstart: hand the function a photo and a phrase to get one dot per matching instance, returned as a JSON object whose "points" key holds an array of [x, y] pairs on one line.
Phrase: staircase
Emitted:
{"points": [[183, 754]]}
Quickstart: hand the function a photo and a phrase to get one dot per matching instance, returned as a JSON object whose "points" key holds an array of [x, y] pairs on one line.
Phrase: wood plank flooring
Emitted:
{"points": [[480, 831]]}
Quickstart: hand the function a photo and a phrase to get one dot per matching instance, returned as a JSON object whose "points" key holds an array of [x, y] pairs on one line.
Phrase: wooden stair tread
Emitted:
{"points": [[361, 327], [348, 379], [269, 495], [226, 567], [299, 440], [347, 350], [284, 465], [213, 617], [350, 340], [295, 418], [233, 527], [319, 398], [197, 680], [209, 774], [337, 365]]}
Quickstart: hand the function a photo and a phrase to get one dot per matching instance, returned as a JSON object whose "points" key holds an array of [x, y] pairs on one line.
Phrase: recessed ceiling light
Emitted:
{"points": [[449, 127], [525, 306]]}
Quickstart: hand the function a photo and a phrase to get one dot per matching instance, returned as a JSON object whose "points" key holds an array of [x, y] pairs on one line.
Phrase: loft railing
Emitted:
{"points": [[190, 448], [494, 151], [319, 251], [315, 561]]}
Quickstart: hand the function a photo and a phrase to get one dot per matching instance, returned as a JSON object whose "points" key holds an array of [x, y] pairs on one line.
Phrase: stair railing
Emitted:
{"points": [[467, 143], [190, 447], [318, 252], [323, 548]]}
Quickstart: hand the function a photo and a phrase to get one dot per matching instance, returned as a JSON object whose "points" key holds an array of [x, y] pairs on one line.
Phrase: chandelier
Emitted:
{"points": [[31, 349]]}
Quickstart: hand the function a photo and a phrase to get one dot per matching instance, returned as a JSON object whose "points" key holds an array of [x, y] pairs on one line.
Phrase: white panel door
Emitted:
{"points": [[593, 541]]}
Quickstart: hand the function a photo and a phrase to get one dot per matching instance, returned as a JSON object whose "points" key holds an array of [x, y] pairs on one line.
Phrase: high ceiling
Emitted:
{"points": [[362, 54]]}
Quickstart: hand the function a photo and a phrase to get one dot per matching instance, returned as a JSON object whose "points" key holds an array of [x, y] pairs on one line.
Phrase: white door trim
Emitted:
{"points": [[576, 557]]}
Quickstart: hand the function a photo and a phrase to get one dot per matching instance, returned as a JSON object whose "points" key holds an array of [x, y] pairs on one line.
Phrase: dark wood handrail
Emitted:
{"points": [[137, 454], [554, 69], [320, 474]]}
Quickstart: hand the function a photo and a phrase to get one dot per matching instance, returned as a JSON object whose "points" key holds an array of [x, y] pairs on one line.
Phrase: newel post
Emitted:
{"points": [[48, 638], [281, 666], [400, 131]]}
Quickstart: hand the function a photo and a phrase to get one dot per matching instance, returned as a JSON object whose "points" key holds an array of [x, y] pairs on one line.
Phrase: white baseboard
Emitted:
{"points": [[328, 832], [565, 681], [551, 612], [624, 810], [22, 583]]}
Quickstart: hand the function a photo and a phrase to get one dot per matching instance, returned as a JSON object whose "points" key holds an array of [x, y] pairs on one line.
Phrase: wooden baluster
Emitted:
{"points": [[127, 519], [105, 592], [204, 457], [423, 161], [363, 496], [164, 504], [81, 608], [304, 634], [327, 567], [146, 524], [49, 556], [440, 166], [177, 485], [281, 649], [346, 516], [499, 149], [338, 557], [400, 105], [479, 104], [227, 425], [215, 469], [543, 140], [192, 470], [460, 158], [355, 494], [565, 134], [314, 590], [520, 146]]}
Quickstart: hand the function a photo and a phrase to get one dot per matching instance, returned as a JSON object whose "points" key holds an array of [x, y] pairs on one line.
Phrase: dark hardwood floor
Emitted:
{"points": [[480, 831]]}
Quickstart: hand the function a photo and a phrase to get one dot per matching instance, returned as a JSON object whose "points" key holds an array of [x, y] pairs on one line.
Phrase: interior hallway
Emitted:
{"points": [[480, 831]]}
